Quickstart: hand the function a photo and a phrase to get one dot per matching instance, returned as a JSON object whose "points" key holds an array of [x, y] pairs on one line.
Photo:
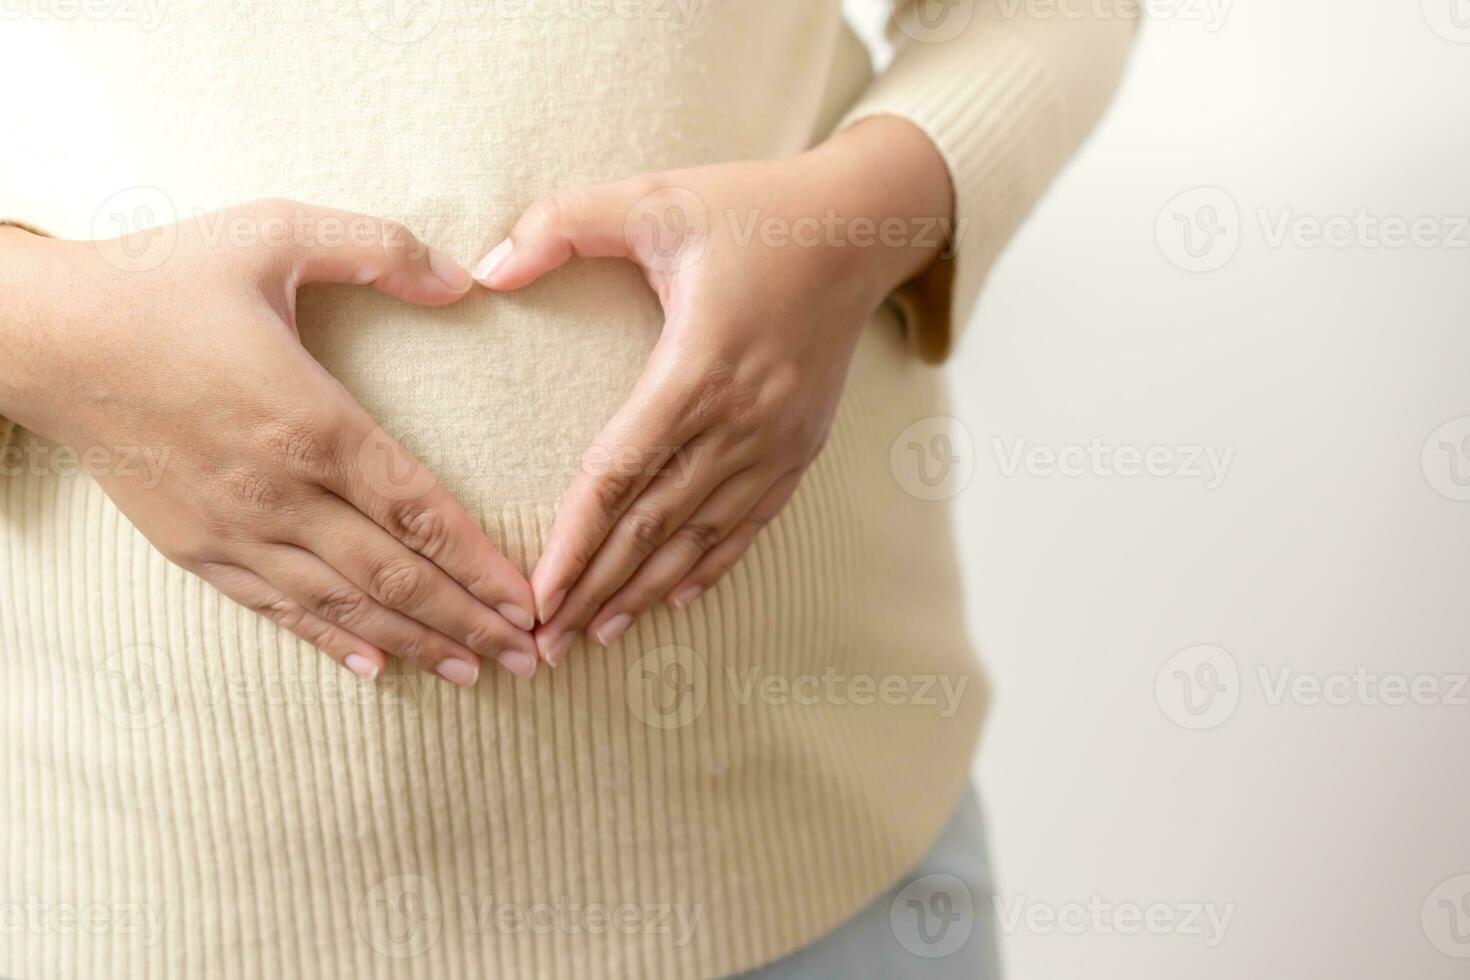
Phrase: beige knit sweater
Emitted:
{"points": [[188, 791]]}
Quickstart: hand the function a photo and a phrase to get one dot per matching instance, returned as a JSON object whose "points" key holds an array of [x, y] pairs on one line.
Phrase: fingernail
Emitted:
{"points": [[458, 672], [614, 628], [516, 616], [552, 605], [521, 664], [450, 272], [686, 595], [361, 666], [492, 261], [556, 650]]}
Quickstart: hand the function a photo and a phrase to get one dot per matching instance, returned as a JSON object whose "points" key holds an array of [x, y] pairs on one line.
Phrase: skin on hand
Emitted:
{"points": [[739, 395], [278, 488]]}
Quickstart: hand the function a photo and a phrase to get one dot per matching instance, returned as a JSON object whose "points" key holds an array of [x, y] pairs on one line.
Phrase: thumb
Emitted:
{"points": [[342, 247], [642, 219]]}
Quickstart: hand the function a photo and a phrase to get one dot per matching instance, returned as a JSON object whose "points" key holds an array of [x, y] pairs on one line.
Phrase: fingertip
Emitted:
{"points": [[487, 272], [365, 665], [525, 645], [553, 647], [607, 633], [459, 672], [520, 618], [547, 601], [435, 280], [521, 664], [450, 273]]}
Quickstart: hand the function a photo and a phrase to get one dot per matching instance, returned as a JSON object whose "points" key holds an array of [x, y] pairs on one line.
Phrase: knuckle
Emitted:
{"points": [[700, 536], [283, 611], [647, 529], [750, 411], [399, 584], [543, 219], [715, 390], [613, 487], [781, 384], [422, 529], [340, 603], [420, 650], [305, 448], [257, 490], [763, 409], [394, 237], [484, 636]]}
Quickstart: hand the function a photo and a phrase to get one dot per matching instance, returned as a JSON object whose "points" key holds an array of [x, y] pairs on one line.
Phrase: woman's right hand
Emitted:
{"points": [[275, 485]]}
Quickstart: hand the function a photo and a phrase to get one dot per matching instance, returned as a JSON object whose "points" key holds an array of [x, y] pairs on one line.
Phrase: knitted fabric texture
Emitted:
{"points": [[724, 784]]}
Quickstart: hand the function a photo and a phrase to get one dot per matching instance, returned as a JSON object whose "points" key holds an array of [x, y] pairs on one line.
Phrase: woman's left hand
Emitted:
{"points": [[767, 272]]}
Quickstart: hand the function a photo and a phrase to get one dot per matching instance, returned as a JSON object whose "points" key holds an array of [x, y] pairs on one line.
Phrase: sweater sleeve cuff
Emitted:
{"points": [[991, 111], [12, 223], [1006, 102], [7, 427]]}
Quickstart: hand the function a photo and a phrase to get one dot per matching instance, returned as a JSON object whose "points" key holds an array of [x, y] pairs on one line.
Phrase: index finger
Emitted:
{"points": [[626, 456], [382, 480]]}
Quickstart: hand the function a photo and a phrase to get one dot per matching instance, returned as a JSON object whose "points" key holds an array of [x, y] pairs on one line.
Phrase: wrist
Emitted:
{"points": [[890, 183], [20, 282]]}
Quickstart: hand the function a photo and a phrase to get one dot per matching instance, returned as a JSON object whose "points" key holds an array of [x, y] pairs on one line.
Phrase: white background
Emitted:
{"points": [[1326, 548]]}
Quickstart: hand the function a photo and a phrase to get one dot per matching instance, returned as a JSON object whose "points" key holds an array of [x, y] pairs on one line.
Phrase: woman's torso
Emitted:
{"points": [[172, 751]]}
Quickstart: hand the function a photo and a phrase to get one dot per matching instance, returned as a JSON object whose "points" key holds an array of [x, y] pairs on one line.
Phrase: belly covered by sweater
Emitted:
{"points": [[744, 773], [739, 776]]}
